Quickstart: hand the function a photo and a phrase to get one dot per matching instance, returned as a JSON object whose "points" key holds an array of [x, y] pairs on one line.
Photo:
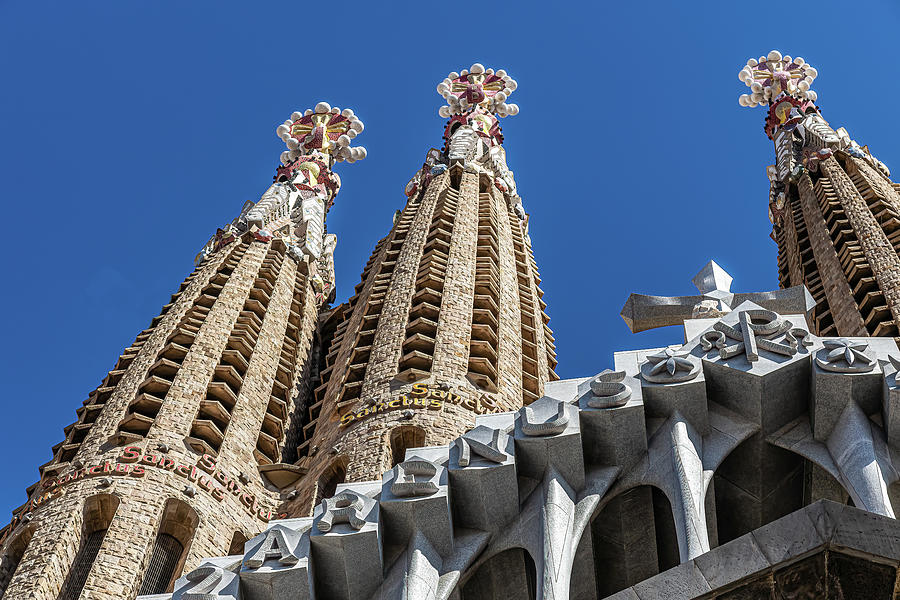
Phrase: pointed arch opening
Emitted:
{"points": [[402, 438], [98, 513], [334, 475], [10, 560], [176, 531]]}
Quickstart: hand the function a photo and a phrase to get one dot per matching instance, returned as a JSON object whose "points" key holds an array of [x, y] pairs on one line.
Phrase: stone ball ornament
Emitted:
{"points": [[477, 86], [326, 129], [770, 76]]}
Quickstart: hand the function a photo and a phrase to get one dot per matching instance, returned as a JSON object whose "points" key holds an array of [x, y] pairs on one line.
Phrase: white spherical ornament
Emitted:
{"points": [[756, 97], [308, 112], [502, 114], [745, 75], [499, 97], [512, 85], [323, 107], [756, 87], [811, 72], [812, 95], [453, 75], [803, 85], [285, 157], [444, 112], [488, 71], [363, 152], [343, 140], [347, 112], [296, 115], [464, 72], [350, 134], [442, 88], [282, 131], [752, 62], [787, 59], [798, 60], [512, 109], [357, 126], [744, 100], [292, 143], [477, 68], [501, 73], [335, 110]]}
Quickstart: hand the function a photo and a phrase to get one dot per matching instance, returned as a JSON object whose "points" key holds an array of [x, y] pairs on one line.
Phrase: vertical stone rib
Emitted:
{"points": [[454, 332], [790, 246], [248, 419], [390, 334], [837, 291], [189, 387], [510, 363], [876, 247]]}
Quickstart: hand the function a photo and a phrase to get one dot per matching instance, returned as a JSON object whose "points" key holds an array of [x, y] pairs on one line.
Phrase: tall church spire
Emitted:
{"points": [[835, 212], [184, 449], [448, 321]]}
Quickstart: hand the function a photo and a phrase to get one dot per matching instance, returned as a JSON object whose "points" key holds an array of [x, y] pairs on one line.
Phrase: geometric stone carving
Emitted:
{"points": [[276, 562], [669, 366], [415, 478], [345, 507], [845, 356], [473, 441], [531, 426], [210, 581], [608, 391]]}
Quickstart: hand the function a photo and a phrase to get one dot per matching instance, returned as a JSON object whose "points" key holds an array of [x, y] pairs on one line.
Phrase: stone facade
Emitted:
{"points": [[414, 442]]}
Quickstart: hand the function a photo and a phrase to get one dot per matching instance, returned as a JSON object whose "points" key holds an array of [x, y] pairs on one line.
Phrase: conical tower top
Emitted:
{"points": [[477, 87]]}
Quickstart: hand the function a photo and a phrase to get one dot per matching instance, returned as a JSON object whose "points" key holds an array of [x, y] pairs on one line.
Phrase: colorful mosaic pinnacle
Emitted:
{"points": [[325, 129], [768, 77], [477, 86]]}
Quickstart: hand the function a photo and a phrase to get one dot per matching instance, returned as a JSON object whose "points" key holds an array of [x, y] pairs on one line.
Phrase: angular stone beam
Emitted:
{"points": [[681, 463], [856, 454], [642, 312]]}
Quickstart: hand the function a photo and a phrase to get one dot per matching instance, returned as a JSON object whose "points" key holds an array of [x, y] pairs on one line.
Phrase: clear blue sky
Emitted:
{"points": [[130, 130]]}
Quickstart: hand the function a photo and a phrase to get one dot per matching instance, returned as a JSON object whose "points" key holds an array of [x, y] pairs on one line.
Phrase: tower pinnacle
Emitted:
{"points": [[325, 129], [477, 87], [774, 75]]}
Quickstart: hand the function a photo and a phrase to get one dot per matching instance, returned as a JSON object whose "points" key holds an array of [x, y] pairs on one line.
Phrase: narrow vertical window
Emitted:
{"points": [[98, 515]]}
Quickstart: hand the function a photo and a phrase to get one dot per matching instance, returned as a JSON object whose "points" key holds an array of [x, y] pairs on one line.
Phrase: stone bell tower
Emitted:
{"points": [[182, 450], [834, 209], [448, 321]]}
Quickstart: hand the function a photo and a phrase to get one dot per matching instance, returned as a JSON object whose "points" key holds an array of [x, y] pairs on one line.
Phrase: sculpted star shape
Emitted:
{"points": [[669, 360]]}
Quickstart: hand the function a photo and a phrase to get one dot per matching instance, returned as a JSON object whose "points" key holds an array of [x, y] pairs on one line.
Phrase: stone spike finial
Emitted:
{"points": [[326, 129], [477, 86], [712, 278], [771, 76]]}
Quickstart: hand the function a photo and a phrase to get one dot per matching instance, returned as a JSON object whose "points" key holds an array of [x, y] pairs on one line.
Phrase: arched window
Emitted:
{"points": [[402, 438], [10, 560], [176, 529], [335, 474], [98, 514]]}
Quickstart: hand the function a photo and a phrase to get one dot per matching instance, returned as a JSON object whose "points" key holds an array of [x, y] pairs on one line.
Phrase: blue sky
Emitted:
{"points": [[130, 130]]}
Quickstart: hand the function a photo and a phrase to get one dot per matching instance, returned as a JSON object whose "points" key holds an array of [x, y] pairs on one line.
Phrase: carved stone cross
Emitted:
{"points": [[642, 312]]}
